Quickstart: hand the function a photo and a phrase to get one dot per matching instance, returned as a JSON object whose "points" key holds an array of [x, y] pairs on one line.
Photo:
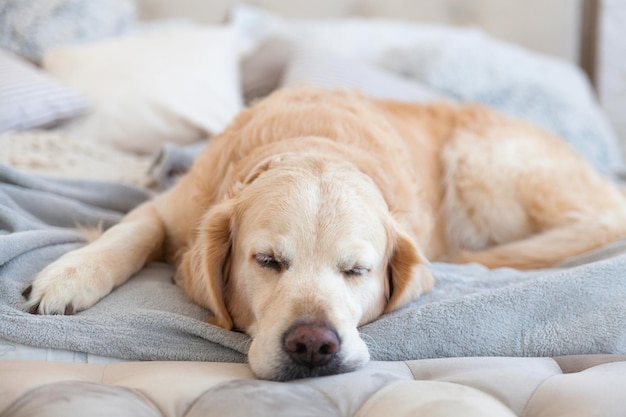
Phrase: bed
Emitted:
{"points": [[92, 143]]}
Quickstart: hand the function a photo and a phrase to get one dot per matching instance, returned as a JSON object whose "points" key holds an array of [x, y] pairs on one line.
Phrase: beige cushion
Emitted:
{"points": [[177, 85]]}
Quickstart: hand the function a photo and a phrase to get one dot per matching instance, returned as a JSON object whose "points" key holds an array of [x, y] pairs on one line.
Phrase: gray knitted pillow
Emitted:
{"points": [[31, 27], [546, 91]]}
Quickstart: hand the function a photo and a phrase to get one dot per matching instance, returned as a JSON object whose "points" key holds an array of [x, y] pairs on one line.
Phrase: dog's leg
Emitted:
{"points": [[551, 246], [518, 196], [80, 278]]}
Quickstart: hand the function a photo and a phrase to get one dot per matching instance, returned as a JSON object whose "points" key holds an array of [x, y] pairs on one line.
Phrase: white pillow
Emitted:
{"points": [[173, 86]]}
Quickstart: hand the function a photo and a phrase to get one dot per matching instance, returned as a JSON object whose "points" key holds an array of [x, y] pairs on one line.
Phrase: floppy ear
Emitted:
{"points": [[409, 276], [201, 270], [202, 267]]}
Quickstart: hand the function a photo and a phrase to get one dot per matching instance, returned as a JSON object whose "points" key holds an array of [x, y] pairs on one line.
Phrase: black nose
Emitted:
{"points": [[311, 344]]}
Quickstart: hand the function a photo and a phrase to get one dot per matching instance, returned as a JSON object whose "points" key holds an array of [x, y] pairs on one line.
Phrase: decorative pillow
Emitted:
{"points": [[174, 86], [546, 91], [29, 98], [318, 68], [31, 27]]}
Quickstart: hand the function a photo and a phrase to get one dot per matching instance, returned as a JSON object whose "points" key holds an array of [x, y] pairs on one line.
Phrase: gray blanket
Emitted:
{"points": [[472, 311]]}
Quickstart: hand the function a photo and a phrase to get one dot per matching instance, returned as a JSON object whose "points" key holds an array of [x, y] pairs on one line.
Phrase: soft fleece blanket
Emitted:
{"points": [[472, 311]]}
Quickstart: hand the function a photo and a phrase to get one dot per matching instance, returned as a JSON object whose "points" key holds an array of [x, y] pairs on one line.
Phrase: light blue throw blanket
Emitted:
{"points": [[472, 310]]}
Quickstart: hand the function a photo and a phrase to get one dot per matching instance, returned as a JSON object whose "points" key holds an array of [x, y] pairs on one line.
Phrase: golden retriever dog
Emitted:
{"points": [[315, 212]]}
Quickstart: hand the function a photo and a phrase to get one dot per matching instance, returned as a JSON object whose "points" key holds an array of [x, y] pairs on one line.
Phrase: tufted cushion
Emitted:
{"points": [[492, 387]]}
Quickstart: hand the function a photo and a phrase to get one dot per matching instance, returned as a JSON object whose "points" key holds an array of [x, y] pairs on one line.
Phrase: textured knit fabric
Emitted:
{"points": [[32, 27]]}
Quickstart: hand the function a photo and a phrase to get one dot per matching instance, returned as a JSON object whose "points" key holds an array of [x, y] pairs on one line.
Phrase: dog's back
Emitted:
{"points": [[463, 179]]}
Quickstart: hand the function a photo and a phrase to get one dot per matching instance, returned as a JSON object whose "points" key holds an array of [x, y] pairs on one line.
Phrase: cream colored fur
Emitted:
{"points": [[320, 207]]}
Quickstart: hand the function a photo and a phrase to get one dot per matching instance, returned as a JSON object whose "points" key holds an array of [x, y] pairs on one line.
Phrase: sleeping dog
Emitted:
{"points": [[315, 212]]}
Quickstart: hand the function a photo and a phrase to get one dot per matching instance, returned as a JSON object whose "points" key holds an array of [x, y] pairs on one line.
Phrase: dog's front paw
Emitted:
{"points": [[70, 284]]}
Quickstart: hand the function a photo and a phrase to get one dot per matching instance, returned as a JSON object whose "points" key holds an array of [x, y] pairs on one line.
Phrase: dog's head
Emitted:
{"points": [[302, 252]]}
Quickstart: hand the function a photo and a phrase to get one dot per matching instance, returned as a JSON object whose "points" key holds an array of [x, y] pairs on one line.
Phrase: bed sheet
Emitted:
{"points": [[17, 351]]}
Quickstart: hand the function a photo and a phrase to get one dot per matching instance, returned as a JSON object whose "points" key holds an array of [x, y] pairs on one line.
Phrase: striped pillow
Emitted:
{"points": [[29, 98]]}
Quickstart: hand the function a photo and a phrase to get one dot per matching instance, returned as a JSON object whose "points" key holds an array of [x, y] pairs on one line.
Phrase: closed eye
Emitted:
{"points": [[356, 271], [269, 261]]}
